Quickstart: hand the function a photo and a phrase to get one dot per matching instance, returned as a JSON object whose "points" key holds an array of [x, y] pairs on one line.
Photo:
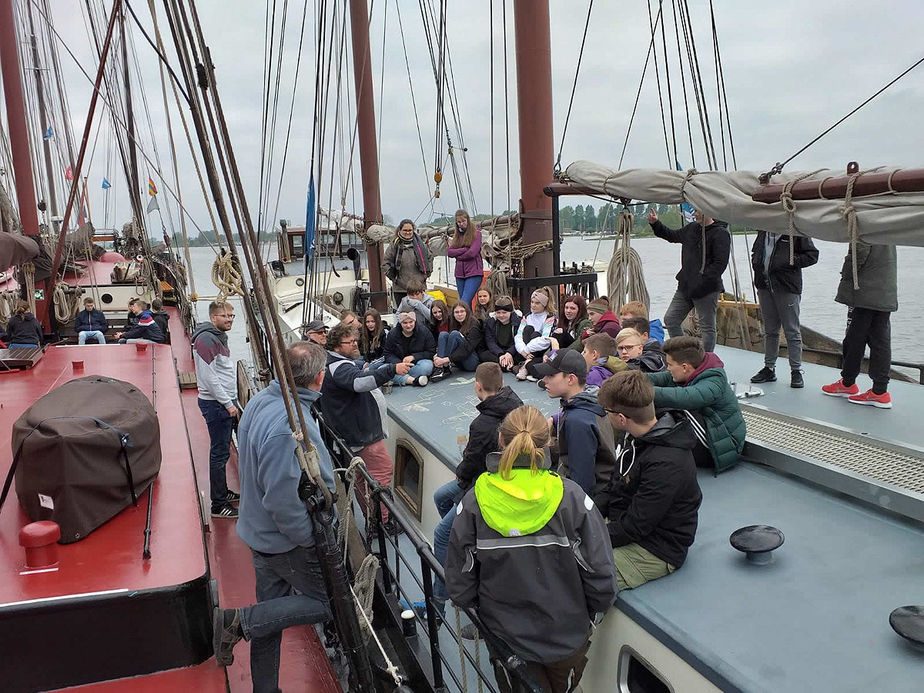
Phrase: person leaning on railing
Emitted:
{"points": [[521, 521]]}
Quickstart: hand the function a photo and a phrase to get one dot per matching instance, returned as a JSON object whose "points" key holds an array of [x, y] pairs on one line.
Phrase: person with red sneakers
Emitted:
{"points": [[870, 301]]}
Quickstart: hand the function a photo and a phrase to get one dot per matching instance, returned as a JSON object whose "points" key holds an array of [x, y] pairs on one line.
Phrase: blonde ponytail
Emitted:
{"points": [[524, 431]]}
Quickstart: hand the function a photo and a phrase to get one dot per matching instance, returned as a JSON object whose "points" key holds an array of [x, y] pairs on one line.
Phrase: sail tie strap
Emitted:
{"points": [[789, 206], [853, 229]]}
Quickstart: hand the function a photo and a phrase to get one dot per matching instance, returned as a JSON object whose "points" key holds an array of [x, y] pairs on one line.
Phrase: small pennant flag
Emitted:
{"points": [[152, 189], [152, 205], [106, 184], [49, 133], [69, 173]]}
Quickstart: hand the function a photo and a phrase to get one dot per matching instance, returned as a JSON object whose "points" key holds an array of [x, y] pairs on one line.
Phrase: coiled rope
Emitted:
{"points": [[227, 277], [66, 304], [625, 278]]}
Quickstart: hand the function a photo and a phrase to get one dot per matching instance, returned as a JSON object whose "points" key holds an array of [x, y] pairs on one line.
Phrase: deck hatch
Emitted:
{"points": [[840, 450]]}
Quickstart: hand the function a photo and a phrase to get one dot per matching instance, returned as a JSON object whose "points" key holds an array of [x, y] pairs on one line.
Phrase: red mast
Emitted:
{"points": [[368, 154], [19, 140], [534, 112]]}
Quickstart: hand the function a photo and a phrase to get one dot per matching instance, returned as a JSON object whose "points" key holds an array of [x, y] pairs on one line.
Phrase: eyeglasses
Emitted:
{"points": [[347, 342], [229, 316], [627, 347]]}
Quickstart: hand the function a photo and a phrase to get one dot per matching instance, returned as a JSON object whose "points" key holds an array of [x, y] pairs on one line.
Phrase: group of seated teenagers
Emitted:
{"points": [[145, 323]]}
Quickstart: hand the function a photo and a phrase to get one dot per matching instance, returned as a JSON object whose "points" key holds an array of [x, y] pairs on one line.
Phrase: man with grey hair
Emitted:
{"points": [[276, 524], [412, 344]]}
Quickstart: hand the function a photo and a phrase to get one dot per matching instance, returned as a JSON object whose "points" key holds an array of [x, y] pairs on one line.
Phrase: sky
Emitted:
{"points": [[791, 69]]}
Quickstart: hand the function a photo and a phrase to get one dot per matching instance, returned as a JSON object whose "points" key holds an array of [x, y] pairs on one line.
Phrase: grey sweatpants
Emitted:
{"points": [[780, 309], [705, 316]]}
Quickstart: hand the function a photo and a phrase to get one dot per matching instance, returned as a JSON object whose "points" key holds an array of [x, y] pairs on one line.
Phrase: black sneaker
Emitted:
{"points": [[764, 375], [226, 632], [797, 380], [232, 496], [227, 510], [421, 381], [438, 374]]}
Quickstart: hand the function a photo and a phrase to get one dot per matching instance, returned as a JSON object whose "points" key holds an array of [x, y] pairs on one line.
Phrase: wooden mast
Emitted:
{"points": [[368, 152], [19, 142], [534, 114]]}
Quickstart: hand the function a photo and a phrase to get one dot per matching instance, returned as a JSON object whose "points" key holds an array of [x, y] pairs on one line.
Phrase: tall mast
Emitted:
{"points": [[19, 139], [368, 153], [132, 164], [534, 113], [43, 115]]}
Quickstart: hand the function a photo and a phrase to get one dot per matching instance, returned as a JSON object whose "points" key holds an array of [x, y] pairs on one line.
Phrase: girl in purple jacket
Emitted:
{"points": [[465, 247]]}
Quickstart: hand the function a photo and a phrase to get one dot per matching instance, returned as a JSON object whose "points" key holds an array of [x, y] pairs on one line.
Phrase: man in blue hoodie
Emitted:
{"points": [[276, 525], [217, 384], [90, 323], [586, 439]]}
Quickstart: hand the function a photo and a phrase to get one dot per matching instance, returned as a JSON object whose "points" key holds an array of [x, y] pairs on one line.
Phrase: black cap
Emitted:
{"points": [[316, 326], [565, 361]]}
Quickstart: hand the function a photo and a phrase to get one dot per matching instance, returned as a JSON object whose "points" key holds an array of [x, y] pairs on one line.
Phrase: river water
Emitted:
{"points": [[661, 260]]}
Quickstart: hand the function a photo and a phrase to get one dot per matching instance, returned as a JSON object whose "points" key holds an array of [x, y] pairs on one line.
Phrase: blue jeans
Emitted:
{"points": [[20, 345], [445, 499], [468, 287], [290, 592], [423, 367], [448, 342], [220, 424], [91, 334]]}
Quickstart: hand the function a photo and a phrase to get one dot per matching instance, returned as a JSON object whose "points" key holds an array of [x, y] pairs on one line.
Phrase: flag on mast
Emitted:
{"points": [[153, 204], [49, 133], [69, 173], [106, 184], [309, 223], [152, 189]]}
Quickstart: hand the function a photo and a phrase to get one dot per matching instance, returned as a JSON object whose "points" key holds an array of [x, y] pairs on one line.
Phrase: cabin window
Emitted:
{"points": [[638, 676], [106, 298], [408, 477]]}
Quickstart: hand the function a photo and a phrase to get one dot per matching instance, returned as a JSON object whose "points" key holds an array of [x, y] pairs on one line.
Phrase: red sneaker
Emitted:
{"points": [[870, 398], [838, 389]]}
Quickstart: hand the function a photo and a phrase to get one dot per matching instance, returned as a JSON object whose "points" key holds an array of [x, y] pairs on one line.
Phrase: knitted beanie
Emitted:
{"points": [[599, 305]]}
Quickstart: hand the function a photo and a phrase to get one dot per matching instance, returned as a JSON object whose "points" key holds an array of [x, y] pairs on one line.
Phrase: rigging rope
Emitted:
{"points": [[625, 277], [638, 93], [577, 72]]}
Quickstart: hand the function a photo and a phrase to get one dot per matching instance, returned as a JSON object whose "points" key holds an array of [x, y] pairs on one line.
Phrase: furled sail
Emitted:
{"points": [[885, 219]]}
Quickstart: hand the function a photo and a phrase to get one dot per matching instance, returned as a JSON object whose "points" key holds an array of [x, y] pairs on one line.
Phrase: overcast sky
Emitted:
{"points": [[791, 69]]}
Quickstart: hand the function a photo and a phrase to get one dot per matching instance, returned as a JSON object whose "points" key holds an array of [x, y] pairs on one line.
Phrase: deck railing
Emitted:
{"points": [[392, 589]]}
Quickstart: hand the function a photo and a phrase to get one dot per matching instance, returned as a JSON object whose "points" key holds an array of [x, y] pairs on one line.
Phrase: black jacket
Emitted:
{"points": [[373, 353], [482, 434], [420, 344], [474, 340], [697, 278], [162, 318], [490, 336], [91, 321], [652, 359], [347, 402], [653, 498], [24, 329], [784, 278], [586, 441]]}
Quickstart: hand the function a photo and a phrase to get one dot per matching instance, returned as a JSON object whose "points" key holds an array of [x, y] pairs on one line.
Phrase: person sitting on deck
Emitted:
{"points": [[276, 524], [23, 330], [532, 338], [90, 323], [439, 319], [499, 331], [637, 309], [653, 498], [349, 318], [585, 437], [495, 401], [572, 323], [460, 346], [134, 310], [603, 319], [372, 338], [146, 332], [484, 304], [549, 574], [411, 344], [600, 356], [695, 381], [354, 408], [652, 352], [419, 301], [630, 345], [161, 317]]}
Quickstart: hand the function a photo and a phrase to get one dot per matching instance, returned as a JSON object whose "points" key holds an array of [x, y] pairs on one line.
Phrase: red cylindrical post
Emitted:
{"points": [[534, 111], [40, 540]]}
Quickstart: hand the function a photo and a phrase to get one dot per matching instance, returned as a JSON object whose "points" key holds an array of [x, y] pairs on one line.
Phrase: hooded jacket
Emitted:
{"points": [[653, 498], [468, 260], [147, 328], [607, 324], [651, 360], [420, 306], [420, 344], [24, 329], [482, 434], [703, 256], [407, 260], [91, 321], [708, 392], [273, 519], [214, 370], [586, 441], [531, 553], [877, 272], [348, 405], [782, 276], [474, 340], [490, 336], [599, 372]]}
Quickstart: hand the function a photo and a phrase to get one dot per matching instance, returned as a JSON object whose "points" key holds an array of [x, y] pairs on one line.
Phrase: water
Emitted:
{"points": [[661, 261]]}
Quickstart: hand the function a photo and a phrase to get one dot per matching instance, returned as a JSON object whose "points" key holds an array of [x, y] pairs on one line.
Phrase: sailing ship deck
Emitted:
{"points": [[817, 616]]}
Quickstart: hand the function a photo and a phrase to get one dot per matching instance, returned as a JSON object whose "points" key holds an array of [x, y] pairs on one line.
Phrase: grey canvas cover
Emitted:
{"points": [[84, 452]]}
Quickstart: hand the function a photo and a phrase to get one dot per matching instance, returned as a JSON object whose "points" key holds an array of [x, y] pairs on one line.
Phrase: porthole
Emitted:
{"points": [[636, 675], [299, 282], [106, 298], [409, 477]]}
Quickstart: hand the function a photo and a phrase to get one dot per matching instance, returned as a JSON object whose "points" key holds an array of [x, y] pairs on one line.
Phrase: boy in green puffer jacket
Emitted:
{"points": [[695, 381]]}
